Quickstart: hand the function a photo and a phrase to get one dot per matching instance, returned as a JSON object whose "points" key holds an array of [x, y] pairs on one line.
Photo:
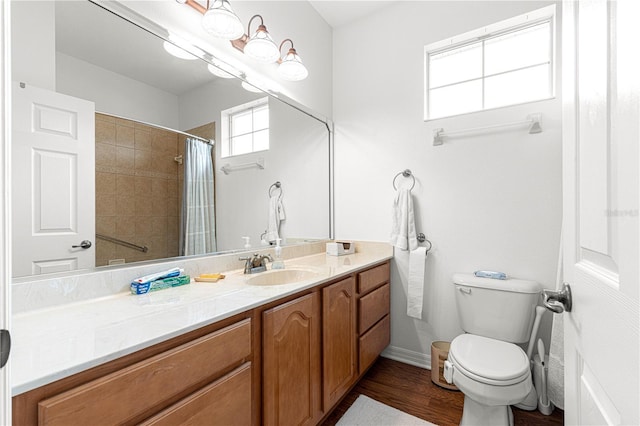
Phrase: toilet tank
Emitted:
{"points": [[500, 309]]}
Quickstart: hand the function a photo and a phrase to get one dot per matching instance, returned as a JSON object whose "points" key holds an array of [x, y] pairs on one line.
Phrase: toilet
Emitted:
{"points": [[485, 363]]}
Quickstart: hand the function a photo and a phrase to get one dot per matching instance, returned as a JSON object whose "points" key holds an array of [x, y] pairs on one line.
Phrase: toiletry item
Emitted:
{"points": [[161, 284], [491, 274], [543, 391], [174, 272], [247, 243], [208, 278], [278, 263], [340, 248]]}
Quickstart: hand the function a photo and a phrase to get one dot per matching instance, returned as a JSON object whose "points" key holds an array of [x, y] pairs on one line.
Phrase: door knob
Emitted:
{"points": [[84, 244], [558, 301]]}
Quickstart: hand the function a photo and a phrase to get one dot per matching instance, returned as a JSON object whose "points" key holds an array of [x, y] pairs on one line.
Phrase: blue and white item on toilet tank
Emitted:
{"points": [[491, 274]]}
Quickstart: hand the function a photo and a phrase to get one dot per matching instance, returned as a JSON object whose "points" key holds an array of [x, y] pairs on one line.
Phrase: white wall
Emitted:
{"points": [[489, 201], [33, 46], [114, 93]]}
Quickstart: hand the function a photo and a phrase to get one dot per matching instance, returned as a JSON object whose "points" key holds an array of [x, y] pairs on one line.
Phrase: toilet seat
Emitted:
{"points": [[489, 361]]}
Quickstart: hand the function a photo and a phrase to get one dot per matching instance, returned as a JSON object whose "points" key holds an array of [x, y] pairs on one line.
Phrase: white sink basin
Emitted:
{"points": [[281, 276]]}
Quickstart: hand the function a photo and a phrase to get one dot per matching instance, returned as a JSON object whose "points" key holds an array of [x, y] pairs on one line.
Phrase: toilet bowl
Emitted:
{"points": [[485, 363], [492, 375]]}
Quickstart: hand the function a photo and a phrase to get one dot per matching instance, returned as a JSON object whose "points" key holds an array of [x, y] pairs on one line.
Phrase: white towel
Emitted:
{"points": [[403, 228], [415, 287], [276, 215]]}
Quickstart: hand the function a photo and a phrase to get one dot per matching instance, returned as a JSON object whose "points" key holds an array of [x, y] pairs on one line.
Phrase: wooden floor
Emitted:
{"points": [[411, 390]]}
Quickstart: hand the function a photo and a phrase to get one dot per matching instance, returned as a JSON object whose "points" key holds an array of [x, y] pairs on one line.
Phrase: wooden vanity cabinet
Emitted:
{"points": [[197, 381], [374, 327], [297, 366], [291, 362], [339, 340], [286, 363]]}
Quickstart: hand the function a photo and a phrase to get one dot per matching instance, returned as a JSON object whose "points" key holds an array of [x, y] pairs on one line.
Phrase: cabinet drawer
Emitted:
{"points": [[372, 307], [373, 342], [125, 394], [227, 401], [372, 278]]}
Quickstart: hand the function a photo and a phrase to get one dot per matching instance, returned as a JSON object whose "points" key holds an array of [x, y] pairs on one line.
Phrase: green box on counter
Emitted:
{"points": [[142, 288]]}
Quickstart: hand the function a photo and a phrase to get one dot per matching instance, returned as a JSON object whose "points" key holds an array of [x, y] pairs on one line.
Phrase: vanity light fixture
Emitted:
{"points": [[220, 20], [291, 67], [260, 46]]}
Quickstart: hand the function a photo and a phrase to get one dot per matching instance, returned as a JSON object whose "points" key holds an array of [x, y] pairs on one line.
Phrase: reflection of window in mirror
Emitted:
{"points": [[245, 128], [507, 63]]}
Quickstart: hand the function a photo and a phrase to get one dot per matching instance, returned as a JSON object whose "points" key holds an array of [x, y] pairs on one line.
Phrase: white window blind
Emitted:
{"points": [[508, 63]]}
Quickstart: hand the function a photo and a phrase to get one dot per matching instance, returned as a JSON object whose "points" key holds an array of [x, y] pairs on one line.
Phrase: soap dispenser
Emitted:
{"points": [[278, 263], [247, 242]]}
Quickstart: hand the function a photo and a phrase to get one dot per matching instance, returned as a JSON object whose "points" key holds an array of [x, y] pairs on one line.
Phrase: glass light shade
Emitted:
{"points": [[291, 68], [261, 46], [220, 20]]}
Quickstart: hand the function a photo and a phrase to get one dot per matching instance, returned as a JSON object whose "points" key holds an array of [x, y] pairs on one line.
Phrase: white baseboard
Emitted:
{"points": [[417, 359]]}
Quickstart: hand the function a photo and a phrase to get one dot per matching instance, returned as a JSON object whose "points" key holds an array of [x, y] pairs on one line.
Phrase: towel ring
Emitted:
{"points": [[405, 173], [276, 185]]}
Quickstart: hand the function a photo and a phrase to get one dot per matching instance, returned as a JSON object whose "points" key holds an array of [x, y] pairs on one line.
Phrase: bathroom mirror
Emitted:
{"points": [[146, 101]]}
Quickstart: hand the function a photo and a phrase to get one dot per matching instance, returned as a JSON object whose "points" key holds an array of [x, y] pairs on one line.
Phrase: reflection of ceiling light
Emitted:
{"points": [[253, 84], [178, 52], [179, 48], [220, 20], [291, 67], [222, 71], [251, 88]]}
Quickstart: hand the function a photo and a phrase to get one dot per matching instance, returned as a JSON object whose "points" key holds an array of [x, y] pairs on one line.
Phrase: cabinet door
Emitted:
{"points": [[338, 339], [291, 362]]}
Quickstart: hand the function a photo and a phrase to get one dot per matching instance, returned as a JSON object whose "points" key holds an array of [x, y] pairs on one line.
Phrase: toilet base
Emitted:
{"points": [[475, 414]]}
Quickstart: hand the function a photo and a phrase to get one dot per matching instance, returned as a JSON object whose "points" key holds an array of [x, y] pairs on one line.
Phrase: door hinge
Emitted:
{"points": [[5, 346]]}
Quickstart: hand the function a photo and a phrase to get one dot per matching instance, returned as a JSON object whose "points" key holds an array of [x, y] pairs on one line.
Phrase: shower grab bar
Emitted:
{"points": [[143, 249], [533, 121], [227, 168]]}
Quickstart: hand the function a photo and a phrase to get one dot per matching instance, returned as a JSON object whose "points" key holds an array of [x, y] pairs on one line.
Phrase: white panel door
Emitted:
{"points": [[53, 152], [601, 132]]}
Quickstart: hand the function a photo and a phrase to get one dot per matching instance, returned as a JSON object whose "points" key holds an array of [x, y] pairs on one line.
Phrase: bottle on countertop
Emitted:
{"points": [[278, 263]]}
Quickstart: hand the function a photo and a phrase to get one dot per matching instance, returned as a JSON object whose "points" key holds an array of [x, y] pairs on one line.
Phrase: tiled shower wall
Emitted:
{"points": [[136, 190]]}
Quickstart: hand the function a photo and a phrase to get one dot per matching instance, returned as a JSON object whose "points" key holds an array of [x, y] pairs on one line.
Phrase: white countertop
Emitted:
{"points": [[56, 342]]}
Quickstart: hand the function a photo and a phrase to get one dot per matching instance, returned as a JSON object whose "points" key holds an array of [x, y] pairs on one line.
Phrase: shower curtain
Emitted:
{"points": [[197, 230]]}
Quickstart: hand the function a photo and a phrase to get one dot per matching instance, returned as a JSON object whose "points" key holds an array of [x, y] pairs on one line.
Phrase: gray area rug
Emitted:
{"points": [[369, 412]]}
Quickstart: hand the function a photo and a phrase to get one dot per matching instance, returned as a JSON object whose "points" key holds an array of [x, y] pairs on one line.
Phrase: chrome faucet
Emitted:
{"points": [[256, 263]]}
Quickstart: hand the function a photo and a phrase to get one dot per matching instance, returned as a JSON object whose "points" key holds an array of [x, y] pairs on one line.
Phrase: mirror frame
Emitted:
{"points": [[134, 18]]}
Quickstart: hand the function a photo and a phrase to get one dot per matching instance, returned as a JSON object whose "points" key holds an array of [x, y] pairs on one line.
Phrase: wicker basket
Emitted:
{"points": [[439, 354]]}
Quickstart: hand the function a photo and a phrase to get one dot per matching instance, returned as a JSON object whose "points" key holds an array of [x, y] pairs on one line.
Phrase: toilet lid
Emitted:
{"points": [[488, 359]]}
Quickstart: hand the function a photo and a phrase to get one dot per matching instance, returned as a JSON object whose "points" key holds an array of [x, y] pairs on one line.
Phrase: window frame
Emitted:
{"points": [[226, 128], [481, 35]]}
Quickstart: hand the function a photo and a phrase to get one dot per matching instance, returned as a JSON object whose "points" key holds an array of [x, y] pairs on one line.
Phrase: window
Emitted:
{"points": [[507, 63], [245, 128]]}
